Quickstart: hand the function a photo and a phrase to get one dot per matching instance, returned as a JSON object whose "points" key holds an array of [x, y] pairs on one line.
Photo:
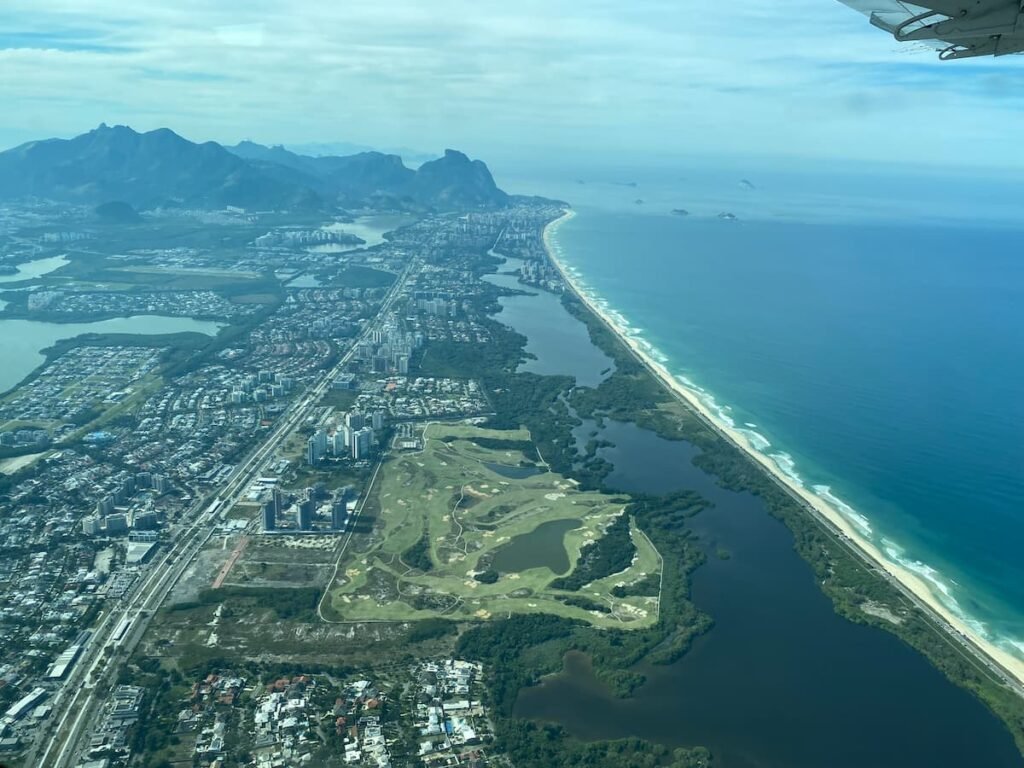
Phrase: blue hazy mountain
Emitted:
{"points": [[451, 181], [159, 168], [145, 170]]}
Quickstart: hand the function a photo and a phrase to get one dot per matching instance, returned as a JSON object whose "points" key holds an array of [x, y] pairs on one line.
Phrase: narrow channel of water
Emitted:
{"points": [[560, 343]]}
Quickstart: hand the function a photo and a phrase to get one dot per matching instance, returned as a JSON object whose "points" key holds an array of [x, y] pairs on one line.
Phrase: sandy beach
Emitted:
{"points": [[1007, 666]]}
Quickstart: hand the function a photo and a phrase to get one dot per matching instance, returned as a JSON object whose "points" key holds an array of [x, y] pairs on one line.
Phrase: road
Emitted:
{"points": [[76, 706]]}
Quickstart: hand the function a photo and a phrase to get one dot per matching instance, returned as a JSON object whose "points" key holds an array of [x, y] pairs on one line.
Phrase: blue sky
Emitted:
{"points": [[802, 79]]}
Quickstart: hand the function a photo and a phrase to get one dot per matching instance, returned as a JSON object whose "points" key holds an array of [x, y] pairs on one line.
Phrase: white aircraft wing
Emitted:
{"points": [[960, 29]]}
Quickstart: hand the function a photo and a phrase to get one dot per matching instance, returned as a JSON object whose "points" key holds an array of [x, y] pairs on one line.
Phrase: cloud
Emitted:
{"points": [[807, 78]]}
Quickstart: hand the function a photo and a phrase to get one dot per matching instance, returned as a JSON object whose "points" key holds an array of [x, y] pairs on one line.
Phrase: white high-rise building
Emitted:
{"points": [[362, 443], [377, 420]]}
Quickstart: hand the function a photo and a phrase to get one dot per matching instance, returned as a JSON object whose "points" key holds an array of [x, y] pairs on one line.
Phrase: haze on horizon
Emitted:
{"points": [[751, 78]]}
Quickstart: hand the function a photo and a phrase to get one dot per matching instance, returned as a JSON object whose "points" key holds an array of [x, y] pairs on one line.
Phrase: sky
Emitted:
{"points": [[801, 79]]}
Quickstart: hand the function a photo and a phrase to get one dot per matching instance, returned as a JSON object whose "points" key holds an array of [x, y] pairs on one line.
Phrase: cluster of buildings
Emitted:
{"points": [[70, 521], [26, 712], [441, 304], [356, 438], [129, 506], [110, 740], [300, 238], [316, 315], [283, 722], [52, 581], [76, 383], [196, 304], [451, 719], [542, 274], [310, 511], [25, 438], [286, 722], [389, 349], [205, 714], [358, 721], [418, 398], [260, 387]]}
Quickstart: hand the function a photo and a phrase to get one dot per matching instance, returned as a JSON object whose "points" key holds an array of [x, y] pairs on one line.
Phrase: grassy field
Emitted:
{"points": [[458, 502]]}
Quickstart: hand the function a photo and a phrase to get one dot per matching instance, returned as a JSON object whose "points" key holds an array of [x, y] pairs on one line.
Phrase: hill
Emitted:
{"points": [[145, 170], [452, 181], [160, 168]]}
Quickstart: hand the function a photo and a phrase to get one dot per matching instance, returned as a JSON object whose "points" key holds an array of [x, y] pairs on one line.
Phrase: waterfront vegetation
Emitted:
{"points": [[419, 577], [550, 407], [858, 592], [455, 518]]}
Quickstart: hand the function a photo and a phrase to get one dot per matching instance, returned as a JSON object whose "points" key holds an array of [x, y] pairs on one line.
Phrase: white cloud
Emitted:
{"points": [[807, 78]]}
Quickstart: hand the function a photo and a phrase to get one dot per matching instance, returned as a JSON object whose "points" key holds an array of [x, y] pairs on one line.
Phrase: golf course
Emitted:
{"points": [[474, 525]]}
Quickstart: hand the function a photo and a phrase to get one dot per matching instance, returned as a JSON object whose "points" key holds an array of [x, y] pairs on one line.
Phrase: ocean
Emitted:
{"points": [[867, 332]]}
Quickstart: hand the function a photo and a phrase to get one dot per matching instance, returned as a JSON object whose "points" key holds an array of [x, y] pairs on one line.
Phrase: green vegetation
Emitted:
{"points": [[340, 399], [418, 555], [608, 555], [442, 515], [649, 585], [431, 629], [520, 650], [287, 604]]}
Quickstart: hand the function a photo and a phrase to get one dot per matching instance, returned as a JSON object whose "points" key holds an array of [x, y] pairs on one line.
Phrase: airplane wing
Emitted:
{"points": [[959, 29]]}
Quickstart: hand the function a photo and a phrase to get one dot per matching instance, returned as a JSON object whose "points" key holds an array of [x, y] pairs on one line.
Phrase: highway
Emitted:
{"points": [[77, 705]]}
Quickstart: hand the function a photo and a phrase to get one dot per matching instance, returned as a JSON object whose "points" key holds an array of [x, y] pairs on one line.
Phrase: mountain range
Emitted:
{"points": [[160, 168]]}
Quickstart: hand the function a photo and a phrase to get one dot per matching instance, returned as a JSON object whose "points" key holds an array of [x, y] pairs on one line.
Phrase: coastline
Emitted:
{"points": [[1000, 662]]}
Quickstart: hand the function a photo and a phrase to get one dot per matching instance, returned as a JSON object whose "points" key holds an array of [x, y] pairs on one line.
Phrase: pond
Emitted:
{"points": [[513, 472], [543, 547]]}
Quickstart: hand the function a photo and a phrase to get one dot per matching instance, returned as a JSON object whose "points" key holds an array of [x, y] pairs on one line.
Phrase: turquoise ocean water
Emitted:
{"points": [[869, 336]]}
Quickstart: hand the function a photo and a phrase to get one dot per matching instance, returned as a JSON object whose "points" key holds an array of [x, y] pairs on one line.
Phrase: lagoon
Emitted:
{"points": [[559, 342], [780, 681], [22, 341], [37, 268]]}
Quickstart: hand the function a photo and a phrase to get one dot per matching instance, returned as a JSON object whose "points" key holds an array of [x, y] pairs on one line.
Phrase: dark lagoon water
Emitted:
{"points": [[512, 471], [543, 547], [781, 681], [560, 342]]}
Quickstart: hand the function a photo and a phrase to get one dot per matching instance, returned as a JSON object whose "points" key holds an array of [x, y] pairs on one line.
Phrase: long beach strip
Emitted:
{"points": [[1002, 663]]}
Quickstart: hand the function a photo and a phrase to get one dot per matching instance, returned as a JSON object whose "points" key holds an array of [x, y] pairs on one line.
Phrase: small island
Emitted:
{"points": [[680, 212]]}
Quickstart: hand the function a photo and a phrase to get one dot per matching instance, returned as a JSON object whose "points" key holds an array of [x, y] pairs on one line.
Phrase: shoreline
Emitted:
{"points": [[1000, 662]]}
